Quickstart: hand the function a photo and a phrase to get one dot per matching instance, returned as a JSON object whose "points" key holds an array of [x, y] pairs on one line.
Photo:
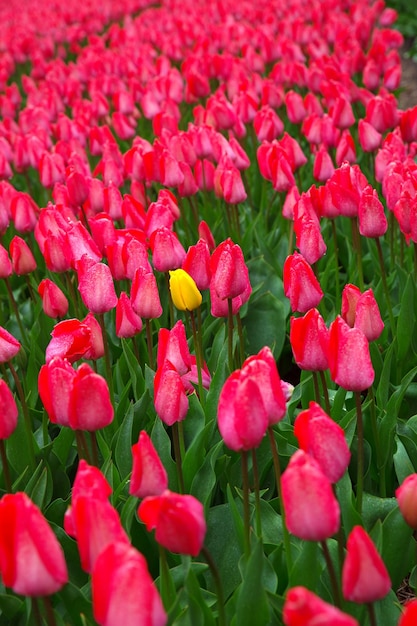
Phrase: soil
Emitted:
{"points": [[408, 94]]}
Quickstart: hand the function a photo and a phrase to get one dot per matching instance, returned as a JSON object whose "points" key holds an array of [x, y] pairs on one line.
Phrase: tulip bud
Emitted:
{"points": [[311, 509], [309, 338], [9, 345], [364, 575], [26, 537], [90, 406], [178, 520], [371, 215], [349, 358], [8, 411], [122, 586], [303, 608], [173, 346], [300, 284], [230, 276], [170, 399], [360, 310], [149, 476], [95, 284], [263, 369], [23, 261], [54, 301], [325, 440], [144, 295], [128, 322], [406, 495], [409, 616], [184, 292]]}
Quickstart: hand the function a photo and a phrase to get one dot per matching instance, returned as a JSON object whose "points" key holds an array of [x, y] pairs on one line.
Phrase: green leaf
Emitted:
{"points": [[204, 481], [162, 443], [306, 568], [252, 605], [397, 539], [402, 463], [265, 324], [123, 450], [39, 487], [406, 320]]}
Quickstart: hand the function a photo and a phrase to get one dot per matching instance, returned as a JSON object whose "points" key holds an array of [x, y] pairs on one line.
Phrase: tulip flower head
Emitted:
{"points": [[303, 608], [406, 495], [149, 477], [184, 292]]}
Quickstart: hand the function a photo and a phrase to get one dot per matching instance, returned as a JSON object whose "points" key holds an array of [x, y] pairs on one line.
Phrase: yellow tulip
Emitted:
{"points": [[184, 292]]}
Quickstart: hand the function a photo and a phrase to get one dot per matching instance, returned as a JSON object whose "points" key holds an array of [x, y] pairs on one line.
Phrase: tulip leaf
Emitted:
{"points": [[199, 612], [388, 610], [252, 604], [307, 566], [406, 320], [162, 444], [195, 456], [204, 480], [39, 487], [397, 539], [123, 449], [402, 463], [62, 444], [265, 324], [383, 389]]}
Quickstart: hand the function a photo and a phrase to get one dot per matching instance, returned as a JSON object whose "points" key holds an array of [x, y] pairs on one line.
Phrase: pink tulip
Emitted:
{"points": [[32, 561], [303, 608], [263, 369], [349, 359], [71, 339], [311, 509], [128, 322], [167, 251], [325, 440], [90, 407], [121, 585], [9, 345], [371, 214], [95, 284], [173, 346], [360, 310], [197, 264], [149, 477], [54, 301], [8, 411], [23, 261], [178, 521], [144, 295], [300, 284], [406, 495], [91, 519], [229, 273], [309, 338], [364, 576], [55, 382], [170, 399]]}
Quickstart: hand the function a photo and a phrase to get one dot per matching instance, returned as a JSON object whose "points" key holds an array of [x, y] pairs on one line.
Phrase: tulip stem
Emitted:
{"points": [[82, 447], [333, 578], [375, 435], [177, 453], [107, 359], [166, 583], [385, 286], [28, 421], [316, 387], [14, 306], [150, 343], [325, 391], [257, 494], [94, 448], [371, 612], [277, 469], [218, 585], [360, 466], [357, 246], [36, 611], [241, 343], [170, 302], [246, 510], [50, 615], [6, 469], [336, 262], [199, 356]]}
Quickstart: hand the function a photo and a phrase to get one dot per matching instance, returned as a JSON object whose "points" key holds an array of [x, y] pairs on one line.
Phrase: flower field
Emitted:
{"points": [[208, 297]]}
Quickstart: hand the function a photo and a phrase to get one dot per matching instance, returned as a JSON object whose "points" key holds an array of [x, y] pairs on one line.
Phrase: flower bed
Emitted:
{"points": [[208, 314]]}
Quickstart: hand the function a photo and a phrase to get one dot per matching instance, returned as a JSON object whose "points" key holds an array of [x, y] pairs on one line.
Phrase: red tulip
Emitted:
{"points": [[54, 301], [300, 284], [177, 519], [406, 495], [364, 576], [9, 345], [360, 310], [241, 414], [95, 284], [371, 214], [349, 359], [55, 384], [122, 587], [325, 440], [128, 322], [90, 407], [303, 608], [409, 615], [173, 346], [8, 411], [197, 264], [91, 519], [167, 251], [263, 369], [71, 339], [230, 276], [32, 562], [311, 509], [23, 261], [149, 477], [309, 338], [170, 399], [144, 295]]}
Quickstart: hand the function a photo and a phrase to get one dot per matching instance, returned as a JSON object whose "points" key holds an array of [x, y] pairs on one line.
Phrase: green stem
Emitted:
{"points": [[150, 343], [371, 613], [6, 469], [36, 611], [82, 447], [325, 392], [357, 246], [218, 585], [178, 458], [107, 357], [241, 342], [375, 435], [94, 448], [336, 261], [50, 614], [359, 421], [246, 510], [385, 285], [26, 416], [277, 469], [257, 494], [170, 303], [167, 587], [230, 333], [14, 306], [333, 578], [316, 387]]}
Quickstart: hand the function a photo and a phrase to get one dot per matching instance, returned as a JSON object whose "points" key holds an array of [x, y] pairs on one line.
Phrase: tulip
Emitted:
{"points": [[303, 608], [91, 519], [167, 251], [122, 587], [71, 339], [128, 322], [320, 436], [230, 276], [54, 301], [9, 345], [360, 310], [149, 477], [23, 261], [197, 264], [95, 284], [55, 384], [312, 512], [144, 295], [364, 576], [309, 338], [170, 399], [300, 284], [406, 495], [177, 519], [263, 369], [241, 414], [32, 561], [371, 214], [90, 406], [184, 292], [409, 615], [95, 349], [173, 346], [349, 359]]}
